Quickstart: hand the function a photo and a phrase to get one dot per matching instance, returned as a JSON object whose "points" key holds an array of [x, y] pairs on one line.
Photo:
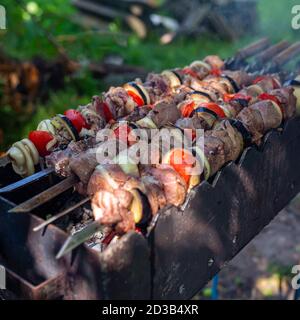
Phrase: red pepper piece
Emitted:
{"points": [[187, 110], [136, 98], [215, 108], [41, 139], [77, 119], [227, 97], [190, 72]]}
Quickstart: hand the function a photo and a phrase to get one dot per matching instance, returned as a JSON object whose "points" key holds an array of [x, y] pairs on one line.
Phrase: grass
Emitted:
{"points": [[24, 40]]}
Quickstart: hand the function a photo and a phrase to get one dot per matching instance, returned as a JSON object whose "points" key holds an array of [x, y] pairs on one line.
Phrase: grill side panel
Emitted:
{"points": [[191, 245]]}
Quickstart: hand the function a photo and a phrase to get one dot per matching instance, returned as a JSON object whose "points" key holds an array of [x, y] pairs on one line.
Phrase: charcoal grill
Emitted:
{"points": [[185, 247]]}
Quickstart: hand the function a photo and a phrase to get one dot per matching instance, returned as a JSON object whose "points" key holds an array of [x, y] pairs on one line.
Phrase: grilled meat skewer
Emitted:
{"points": [[162, 114], [223, 144], [87, 120]]}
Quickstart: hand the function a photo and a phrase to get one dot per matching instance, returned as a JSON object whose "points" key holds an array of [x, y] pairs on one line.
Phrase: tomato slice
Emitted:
{"points": [[41, 139], [266, 96], [187, 109], [136, 98], [227, 97], [215, 108], [190, 72], [182, 161], [77, 119]]}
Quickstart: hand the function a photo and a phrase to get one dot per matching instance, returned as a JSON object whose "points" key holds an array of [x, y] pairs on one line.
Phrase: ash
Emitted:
{"points": [[78, 219]]}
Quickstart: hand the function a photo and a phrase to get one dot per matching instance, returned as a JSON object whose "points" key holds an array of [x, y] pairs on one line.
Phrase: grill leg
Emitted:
{"points": [[215, 291]]}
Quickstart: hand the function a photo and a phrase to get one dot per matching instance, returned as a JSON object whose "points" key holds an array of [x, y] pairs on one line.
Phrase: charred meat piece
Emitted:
{"points": [[157, 86], [193, 123], [270, 113], [108, 177], [164, 113], [119, 102], [110, 208], [267, 82], [174, 186], [93, 115], [137, 114], [214, 150], [261, 117], [287, 100], [84, 164], [240, 77], [59, 159], [154, 192], [232, 138], [252, 119], [117, 199]]}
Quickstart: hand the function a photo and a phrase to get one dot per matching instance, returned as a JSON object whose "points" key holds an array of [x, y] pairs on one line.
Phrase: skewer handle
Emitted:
{"points": [[286, 55], [272, 51], [253, 48]]}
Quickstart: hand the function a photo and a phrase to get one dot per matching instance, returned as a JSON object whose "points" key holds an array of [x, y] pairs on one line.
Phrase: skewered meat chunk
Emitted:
{"points": [[123, 201], [164, 113], [261, 117], [119, 102], [230, 136], [108, 177], [59, 159], [193, 123], [175, 188], [137, 114], [93, 115], [268, 82], [287, 100], [108, 210], [154, 192], [214, 150], [110, 188], [270, 113], [83, 165], [157, 86], [240, 77]]}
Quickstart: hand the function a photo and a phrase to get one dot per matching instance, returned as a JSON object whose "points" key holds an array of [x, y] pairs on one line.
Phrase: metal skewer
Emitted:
{"points": [[45, 196], [79, 238], [60, 215], [26, 181]]}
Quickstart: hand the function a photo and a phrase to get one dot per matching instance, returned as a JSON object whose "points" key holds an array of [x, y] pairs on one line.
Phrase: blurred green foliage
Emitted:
{"points": [[23, 39]]}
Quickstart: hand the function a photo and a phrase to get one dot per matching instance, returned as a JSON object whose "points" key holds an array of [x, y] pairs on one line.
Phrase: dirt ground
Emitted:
{"points": [[262, 270]]}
